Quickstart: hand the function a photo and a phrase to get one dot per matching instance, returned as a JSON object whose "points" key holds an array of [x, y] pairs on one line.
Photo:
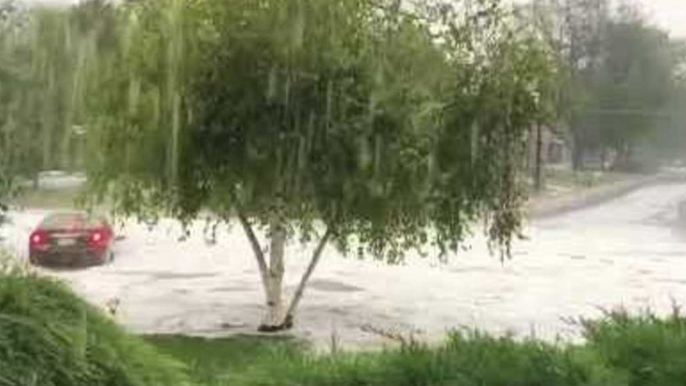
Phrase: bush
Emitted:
{"points": [[651, 351], [50, 337]]}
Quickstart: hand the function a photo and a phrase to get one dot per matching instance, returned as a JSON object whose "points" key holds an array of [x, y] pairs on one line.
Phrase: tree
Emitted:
{"points": [[12, 21], [538, 20], [354, 122], [575, 30], [668, 136], [40, 75], [620, 73], [633, 85]]}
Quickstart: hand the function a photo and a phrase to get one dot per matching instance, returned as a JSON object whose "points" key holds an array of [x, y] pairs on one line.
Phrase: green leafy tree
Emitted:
{"points": [[12, 80], [355, 122], [618, 75], [539, 21], [40, 79], [633, 86], [575, 30], [667, 141]]}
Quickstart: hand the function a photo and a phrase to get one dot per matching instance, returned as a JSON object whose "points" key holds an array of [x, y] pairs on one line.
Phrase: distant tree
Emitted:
{"points": [[618, 75], [39, 75], [633, 85], [668, 138], [354, 122], [12, 80], [575, 30], [538, 20]]}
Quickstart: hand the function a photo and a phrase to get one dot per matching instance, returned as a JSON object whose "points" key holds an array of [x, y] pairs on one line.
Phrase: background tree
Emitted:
{"points": [[632, 86], [538, 21], [667, 141], [12, 81], [617, 78], [42, 55], [356, 122], [575, 30]]}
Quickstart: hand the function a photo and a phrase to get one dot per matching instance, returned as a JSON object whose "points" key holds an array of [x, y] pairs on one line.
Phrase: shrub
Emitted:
{"points": [[651, 351], [50, 337]]}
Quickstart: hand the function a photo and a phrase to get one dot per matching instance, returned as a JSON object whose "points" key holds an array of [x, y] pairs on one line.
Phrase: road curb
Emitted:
{"points": [[591, 197]]}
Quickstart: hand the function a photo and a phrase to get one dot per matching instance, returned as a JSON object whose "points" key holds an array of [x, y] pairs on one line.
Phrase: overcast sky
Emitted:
{"points": [[669, 14]]}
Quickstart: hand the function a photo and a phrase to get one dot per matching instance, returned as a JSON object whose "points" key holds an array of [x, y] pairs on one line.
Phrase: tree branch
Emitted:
{"points": [[256, 247], [316, 256]]}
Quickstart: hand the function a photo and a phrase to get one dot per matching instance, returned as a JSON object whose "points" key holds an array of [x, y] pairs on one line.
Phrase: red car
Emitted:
{"points": [[71, 238]]}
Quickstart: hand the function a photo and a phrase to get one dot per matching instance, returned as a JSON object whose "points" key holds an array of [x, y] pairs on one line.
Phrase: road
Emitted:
{"points": [[629, 252]]}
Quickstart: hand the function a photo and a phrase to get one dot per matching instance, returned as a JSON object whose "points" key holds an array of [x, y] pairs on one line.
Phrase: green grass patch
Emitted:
{"points": [[564, 181], [465, 359], [621, 350], [227, 361], [50, 337], [583, 179]]}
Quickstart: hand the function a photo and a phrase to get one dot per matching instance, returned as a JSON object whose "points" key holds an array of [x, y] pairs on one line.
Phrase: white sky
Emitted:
{"points": [[668, 14]]}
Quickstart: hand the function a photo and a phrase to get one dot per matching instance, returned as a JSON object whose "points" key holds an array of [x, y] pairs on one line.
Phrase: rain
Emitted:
{"points": [[353, 175]]}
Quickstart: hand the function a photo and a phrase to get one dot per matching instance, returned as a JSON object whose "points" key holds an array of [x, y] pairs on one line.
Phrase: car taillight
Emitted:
{"points": [[38, 238], [98, 238]]}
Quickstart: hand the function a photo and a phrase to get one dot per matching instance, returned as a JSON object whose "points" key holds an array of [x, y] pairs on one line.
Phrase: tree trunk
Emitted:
{"points": [[577, 153], [603, 159], [538, 167], [275, 317], [316, 256], [36, 179], [278, 318]]}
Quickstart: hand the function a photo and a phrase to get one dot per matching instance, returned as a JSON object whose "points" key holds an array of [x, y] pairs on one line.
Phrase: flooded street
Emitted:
{"points": [[628, 252]]}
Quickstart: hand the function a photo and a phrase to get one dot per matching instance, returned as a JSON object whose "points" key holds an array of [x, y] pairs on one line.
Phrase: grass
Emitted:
{"points": [[566, 181], [583, 179], [227, 361], [650, 351], [50, 337], [465, 360], [621, 350]]}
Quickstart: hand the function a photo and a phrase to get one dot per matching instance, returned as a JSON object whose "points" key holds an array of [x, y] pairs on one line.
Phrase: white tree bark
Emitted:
{"points": [[274, 319], [316, 256], [257, 249], [278, 317]]}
